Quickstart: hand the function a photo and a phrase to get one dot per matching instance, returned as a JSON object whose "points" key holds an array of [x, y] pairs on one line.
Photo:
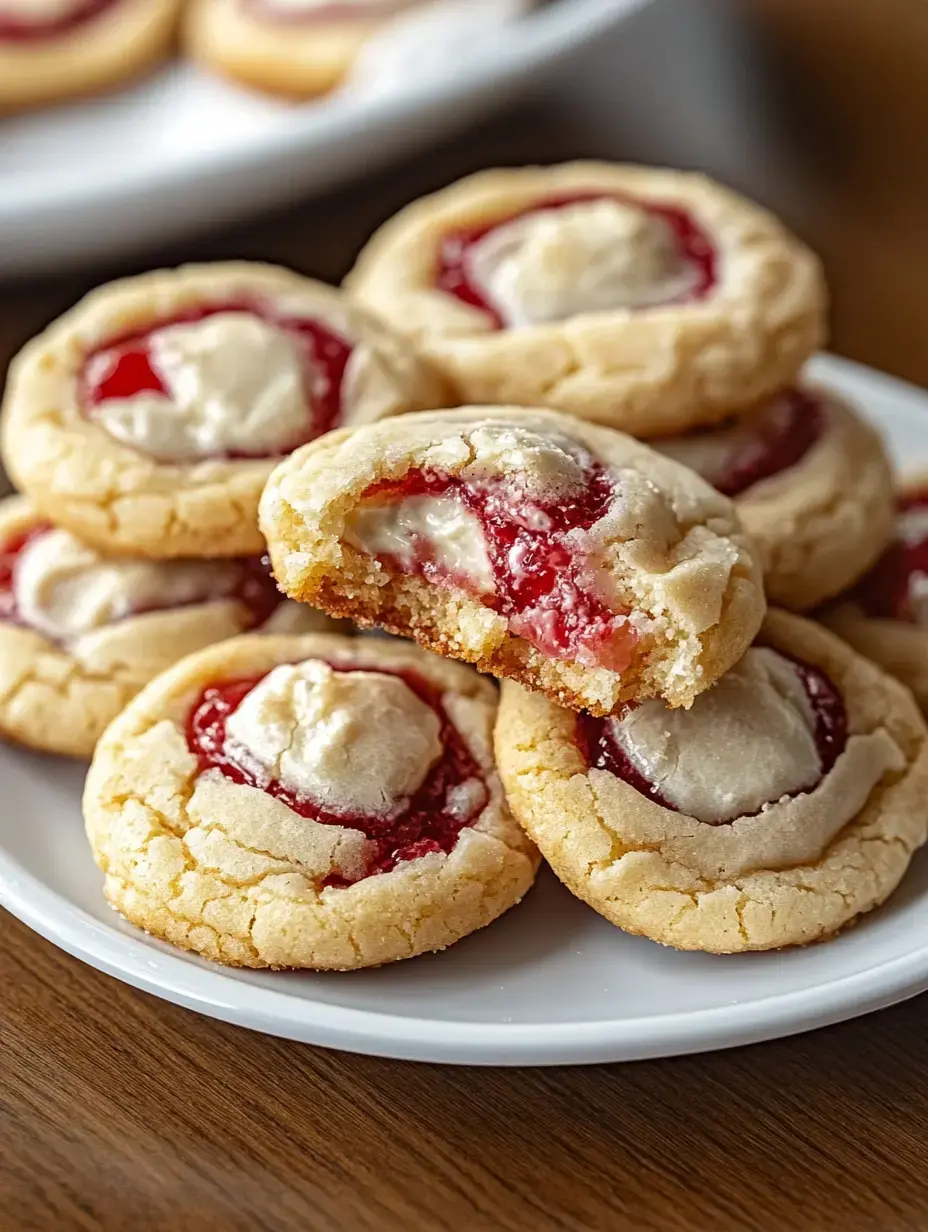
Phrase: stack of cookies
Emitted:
{"points": [[554, 429]]}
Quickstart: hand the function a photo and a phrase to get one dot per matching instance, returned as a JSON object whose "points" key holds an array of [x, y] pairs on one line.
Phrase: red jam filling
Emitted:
{"points": [[428, 822], [538, 572], [17, 28], [886, 591], [603, 752], [124, 366], [694, 248], [784, 435], [9, 554], [255, 588]]}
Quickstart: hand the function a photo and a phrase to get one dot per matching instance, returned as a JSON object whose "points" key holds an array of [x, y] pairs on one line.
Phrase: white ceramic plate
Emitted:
{"points": [[182, 151], [550, 983]]}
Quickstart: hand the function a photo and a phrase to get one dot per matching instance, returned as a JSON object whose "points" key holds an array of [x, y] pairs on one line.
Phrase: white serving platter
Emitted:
{"points": [[184, 152], [550, 983]]}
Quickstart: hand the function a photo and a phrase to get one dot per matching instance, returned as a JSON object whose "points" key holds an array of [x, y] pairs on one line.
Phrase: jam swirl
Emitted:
{"points": [[896, 588], [123, 366], [693, 246], [428, 823], [540, 582], [602, 751], [792, 426]]}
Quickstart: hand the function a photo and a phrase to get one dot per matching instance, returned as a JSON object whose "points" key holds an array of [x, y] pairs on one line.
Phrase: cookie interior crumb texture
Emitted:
{"points": [[667, 553]]}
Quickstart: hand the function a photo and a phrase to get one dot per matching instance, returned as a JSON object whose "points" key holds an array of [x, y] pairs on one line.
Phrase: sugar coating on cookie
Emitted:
{"points": [[81, 633], [652, 301], [812, 484], [536, 546], [885, 616], [307, 802], [297, 48], [148, 418], [54, 49], [786, 802]]}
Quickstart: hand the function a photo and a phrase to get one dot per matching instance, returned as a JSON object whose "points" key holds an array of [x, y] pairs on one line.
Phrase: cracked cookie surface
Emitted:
{"points": [[293, 834], [81, 633], [651, 301], [812, 485], [538, 547], [698, 830], [147, 419], [59, 50]]}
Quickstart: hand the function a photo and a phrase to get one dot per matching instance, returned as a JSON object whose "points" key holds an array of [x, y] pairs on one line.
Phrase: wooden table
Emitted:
{"points": [[119, 1112]]}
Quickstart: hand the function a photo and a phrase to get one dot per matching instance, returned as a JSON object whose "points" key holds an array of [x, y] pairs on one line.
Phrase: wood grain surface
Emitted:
{"points": [[120, 1112]]}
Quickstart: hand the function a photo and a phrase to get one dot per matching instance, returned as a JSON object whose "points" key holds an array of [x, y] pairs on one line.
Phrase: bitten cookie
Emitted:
{"points": [[538, 547], [54, 49], [81, 633], [788, 801], [811, 483], [651, 301], [307, 802], [147, 419], [298, 48], [885, 616]]}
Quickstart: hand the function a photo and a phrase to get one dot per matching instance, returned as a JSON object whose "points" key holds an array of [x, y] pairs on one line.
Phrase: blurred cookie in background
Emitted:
{"points": [[56, 49]]}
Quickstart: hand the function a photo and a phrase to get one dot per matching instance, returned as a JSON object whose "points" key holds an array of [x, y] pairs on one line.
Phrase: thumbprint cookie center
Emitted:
{"points": [[582, 253], [361, 748], [224, 381], [771, 728]]}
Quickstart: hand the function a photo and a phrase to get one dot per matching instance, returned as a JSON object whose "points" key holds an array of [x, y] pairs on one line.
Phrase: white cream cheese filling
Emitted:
{"points": [[235, 384], [591, 256], [439, 529], [745, 743], [354, 742], [64, 589]]}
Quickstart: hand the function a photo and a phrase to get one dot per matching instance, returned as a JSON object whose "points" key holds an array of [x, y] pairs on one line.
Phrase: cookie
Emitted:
{"points": [[81, 633], [298, 48], [55, 49], [811, 483], [787, 802], [147, 419], [885, 616], [651, 301], [307, 802], [538, 547]]}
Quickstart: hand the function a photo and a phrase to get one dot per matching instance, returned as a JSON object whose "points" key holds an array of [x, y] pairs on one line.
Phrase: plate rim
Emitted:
{"points": [[544, 37], [156, 968]]}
